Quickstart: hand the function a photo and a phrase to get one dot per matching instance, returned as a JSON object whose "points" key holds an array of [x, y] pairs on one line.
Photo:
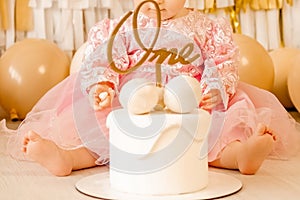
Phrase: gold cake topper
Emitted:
{"points": [[173, 55]]}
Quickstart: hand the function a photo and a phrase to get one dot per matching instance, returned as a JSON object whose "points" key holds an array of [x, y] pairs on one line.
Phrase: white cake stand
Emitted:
{"points": [[98, 186]]}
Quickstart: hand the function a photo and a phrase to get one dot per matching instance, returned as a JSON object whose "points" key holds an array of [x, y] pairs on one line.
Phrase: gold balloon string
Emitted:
{"points": [[281, 31], [13, 115], [3, 15], [241, 5], [234, 19]]}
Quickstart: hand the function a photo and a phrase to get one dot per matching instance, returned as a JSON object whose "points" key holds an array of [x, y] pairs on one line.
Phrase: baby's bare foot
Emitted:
{"points": [[255, 150], [47, 154]]}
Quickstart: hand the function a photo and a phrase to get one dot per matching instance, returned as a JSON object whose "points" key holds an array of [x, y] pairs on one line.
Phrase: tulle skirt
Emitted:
{"points": [[249, 107], [64, 116]]}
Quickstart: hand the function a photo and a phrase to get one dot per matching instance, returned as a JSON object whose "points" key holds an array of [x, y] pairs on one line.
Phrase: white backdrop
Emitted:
{"points": [[66, 22]]}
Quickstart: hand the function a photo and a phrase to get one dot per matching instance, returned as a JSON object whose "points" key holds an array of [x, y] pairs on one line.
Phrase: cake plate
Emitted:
{"points": [[98, 186]]}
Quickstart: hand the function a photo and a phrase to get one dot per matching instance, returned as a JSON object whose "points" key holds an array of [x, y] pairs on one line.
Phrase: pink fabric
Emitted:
{"points": [[248, 107], [65, 116], [212, 38], [60, 115]]}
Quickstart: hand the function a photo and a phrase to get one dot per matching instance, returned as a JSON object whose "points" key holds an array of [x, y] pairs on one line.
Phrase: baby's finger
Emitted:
{"points": [[100, 88], [208, 106], [209, 101], [103, 95], [206, 96], [96, 107], [111, 92], [105, 103]]}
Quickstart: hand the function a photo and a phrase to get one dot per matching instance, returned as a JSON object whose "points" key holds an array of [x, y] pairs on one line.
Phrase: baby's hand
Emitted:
{"points": [[101, 96], [210, 100]]}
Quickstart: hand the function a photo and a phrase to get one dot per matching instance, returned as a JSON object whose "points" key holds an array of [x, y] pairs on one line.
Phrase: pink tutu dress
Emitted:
{"points": [[65, 116]]}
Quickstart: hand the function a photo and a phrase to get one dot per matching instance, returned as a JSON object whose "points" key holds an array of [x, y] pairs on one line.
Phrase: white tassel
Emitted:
{"points": [[287, 26], [66, 39], [261, 28], [78, 28], [224, 3], [39, 30], [247, 22], [40, 20], [273, 29], [89, 18], [10, 32], [106, 3], [295, 21], [116, 9]]}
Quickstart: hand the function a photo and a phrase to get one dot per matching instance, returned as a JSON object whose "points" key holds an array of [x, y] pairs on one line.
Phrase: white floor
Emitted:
{"points": [[28, 181], [276, 179]]}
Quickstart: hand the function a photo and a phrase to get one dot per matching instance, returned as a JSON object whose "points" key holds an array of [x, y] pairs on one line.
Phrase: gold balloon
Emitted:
{"points": [[3, 113], [293, 82], [256, 66], [77, 58], [283, 59], [28, 69]]}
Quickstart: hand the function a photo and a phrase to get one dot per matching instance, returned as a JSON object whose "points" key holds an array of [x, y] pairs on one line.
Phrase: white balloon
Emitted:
{"points": [[139, 96], [182, 94]]}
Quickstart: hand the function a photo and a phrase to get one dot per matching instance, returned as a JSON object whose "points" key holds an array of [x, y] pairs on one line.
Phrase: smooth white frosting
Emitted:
{"points": [[158, 153]]}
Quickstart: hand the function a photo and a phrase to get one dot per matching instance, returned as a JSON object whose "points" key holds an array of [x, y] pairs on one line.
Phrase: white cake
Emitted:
{"points": [[158, 153]]}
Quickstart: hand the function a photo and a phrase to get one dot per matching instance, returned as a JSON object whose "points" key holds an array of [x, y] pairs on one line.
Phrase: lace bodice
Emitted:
{"points": [[216, 67]]}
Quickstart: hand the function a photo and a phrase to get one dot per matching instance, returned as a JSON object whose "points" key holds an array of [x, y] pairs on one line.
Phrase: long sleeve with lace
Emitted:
{"points": [[220, 55]]}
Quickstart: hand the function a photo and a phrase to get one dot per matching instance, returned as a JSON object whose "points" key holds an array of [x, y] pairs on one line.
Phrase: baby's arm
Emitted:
{"points": [[98, 81], [220, 76]]}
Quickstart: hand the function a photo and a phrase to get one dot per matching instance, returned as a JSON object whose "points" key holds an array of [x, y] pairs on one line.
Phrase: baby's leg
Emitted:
{"points": [[247, 156], [56, 160]]}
